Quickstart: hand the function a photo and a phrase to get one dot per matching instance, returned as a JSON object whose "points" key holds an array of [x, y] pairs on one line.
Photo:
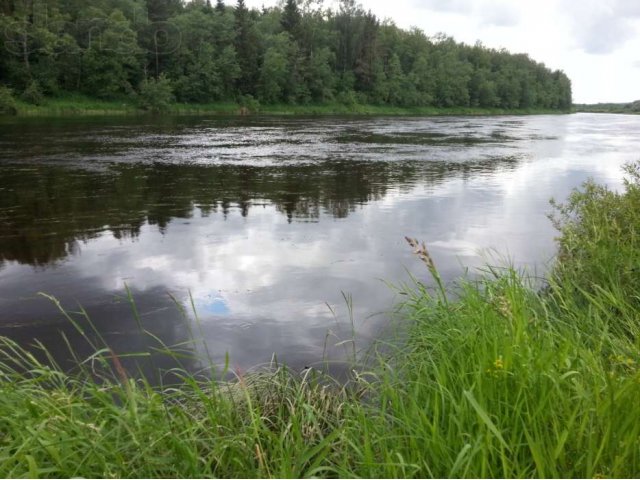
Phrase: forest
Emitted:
{"points": [[155, 52]]}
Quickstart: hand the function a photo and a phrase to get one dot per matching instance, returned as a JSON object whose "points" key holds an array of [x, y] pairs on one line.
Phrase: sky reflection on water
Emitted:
{"points": [[265, 222]]}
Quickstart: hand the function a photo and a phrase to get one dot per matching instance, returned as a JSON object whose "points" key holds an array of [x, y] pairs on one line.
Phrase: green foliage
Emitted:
{"points": [[633, 107], [291, 18], [33, 94], [347, 98], [247, 49], [249, 104], [600, 250], [111, 63], [275, 72], [7, 102], [296, 53], [156, 95]]}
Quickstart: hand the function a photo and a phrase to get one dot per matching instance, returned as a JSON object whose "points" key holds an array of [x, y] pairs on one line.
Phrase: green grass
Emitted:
{"points": [[494, 377], [76, 104]]}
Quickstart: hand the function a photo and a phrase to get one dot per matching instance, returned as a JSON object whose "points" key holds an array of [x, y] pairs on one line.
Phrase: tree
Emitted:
{"points": [[452, 74], [322, 79], [290, 20], [296, 52], [246, 49], [112, 63], [194, 65], [34, 37], [275, 72]]}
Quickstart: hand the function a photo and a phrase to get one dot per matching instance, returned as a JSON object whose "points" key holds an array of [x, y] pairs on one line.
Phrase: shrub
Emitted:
{"points": [[7, 102], [33, 94], [156, 95], [348, 98], [600, 248], [248, 104]]}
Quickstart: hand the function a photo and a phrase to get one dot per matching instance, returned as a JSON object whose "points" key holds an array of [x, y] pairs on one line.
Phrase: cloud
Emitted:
{"points": [[452, 6], [488, 12], [499, 15], [604, 35], [630, 8], [601, 27]]}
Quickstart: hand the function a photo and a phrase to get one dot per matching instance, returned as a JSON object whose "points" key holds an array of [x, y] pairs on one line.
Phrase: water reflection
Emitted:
{"points": [[62, 207], [265, 222]]}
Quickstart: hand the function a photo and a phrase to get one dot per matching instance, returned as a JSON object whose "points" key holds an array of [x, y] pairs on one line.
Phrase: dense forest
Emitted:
{"points": [[300, 52]]}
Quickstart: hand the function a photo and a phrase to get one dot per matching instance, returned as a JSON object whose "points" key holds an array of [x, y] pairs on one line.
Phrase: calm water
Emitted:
{"points": [[266, 222]]}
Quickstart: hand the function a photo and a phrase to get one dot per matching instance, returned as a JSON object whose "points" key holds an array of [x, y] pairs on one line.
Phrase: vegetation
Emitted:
{"points": [[79, 104], [33, 94], [494, 378], [7, 102], [632, 107], [298, 54], [155, 94]]}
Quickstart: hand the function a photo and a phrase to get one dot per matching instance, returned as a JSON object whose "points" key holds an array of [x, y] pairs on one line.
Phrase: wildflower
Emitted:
{"points": [[497, 367]]}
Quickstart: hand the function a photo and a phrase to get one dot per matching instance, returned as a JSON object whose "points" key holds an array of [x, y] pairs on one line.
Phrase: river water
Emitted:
{"points": [[279, 232]]}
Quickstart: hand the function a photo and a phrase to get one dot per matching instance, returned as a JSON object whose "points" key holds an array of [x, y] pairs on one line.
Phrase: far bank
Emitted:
{"points": [[80, 106]]}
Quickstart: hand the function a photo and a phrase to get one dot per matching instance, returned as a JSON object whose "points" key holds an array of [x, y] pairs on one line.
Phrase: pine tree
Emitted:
{"points": [[246, 49], [291, 18]]}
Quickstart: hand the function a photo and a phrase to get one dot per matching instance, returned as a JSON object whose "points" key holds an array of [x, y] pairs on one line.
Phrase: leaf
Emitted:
{"points": [[485, 418]]}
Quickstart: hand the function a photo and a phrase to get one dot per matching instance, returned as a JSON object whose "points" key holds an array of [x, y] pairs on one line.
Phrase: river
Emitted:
{"points": [[281, 233]]}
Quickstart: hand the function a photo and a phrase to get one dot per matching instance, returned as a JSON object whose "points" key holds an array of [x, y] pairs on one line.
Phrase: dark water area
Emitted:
{"points": [[264, 225]]}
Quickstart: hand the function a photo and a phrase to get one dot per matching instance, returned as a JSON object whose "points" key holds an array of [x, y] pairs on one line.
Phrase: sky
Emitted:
{"points": [[596, 42]]}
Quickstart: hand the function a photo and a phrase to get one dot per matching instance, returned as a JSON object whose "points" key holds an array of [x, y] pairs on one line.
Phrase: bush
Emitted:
{"points": [[7, 102], [348, 98], [33, 94], [156, 95], [248, 104], [600, 248]]}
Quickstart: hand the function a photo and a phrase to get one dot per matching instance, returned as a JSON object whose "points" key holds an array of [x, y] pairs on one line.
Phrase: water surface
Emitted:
{"points": [[266, 224]]}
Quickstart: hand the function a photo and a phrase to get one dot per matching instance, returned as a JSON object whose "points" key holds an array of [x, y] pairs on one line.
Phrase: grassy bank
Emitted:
{"points": [[496, 378], [82, 105]]}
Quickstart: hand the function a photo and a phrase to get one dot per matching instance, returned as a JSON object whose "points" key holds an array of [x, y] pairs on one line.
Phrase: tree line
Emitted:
{"points": [[631, 107], [298, 52]]}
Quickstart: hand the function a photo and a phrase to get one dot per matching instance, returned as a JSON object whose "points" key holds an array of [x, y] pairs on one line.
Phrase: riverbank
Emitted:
{"points": [[631, 108], [80, 105], [507, 380]]}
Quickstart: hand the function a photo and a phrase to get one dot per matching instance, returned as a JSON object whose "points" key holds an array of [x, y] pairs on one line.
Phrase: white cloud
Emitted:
{"points": [[457, 6], [487, 12], [601, 27]]}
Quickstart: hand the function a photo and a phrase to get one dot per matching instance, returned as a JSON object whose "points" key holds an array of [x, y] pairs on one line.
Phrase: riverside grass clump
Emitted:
{"points": [[493, 377]]}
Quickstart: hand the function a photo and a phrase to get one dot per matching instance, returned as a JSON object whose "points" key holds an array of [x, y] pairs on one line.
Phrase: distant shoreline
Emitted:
{"points": [[88, 107], [621, 108]]}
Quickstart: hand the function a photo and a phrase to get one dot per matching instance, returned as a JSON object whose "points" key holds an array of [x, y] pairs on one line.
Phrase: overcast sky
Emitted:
{"points": [[596, 42]]}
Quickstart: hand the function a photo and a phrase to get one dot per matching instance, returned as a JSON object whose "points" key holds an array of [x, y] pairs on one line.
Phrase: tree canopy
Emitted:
{"points": [[299, 52]]}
